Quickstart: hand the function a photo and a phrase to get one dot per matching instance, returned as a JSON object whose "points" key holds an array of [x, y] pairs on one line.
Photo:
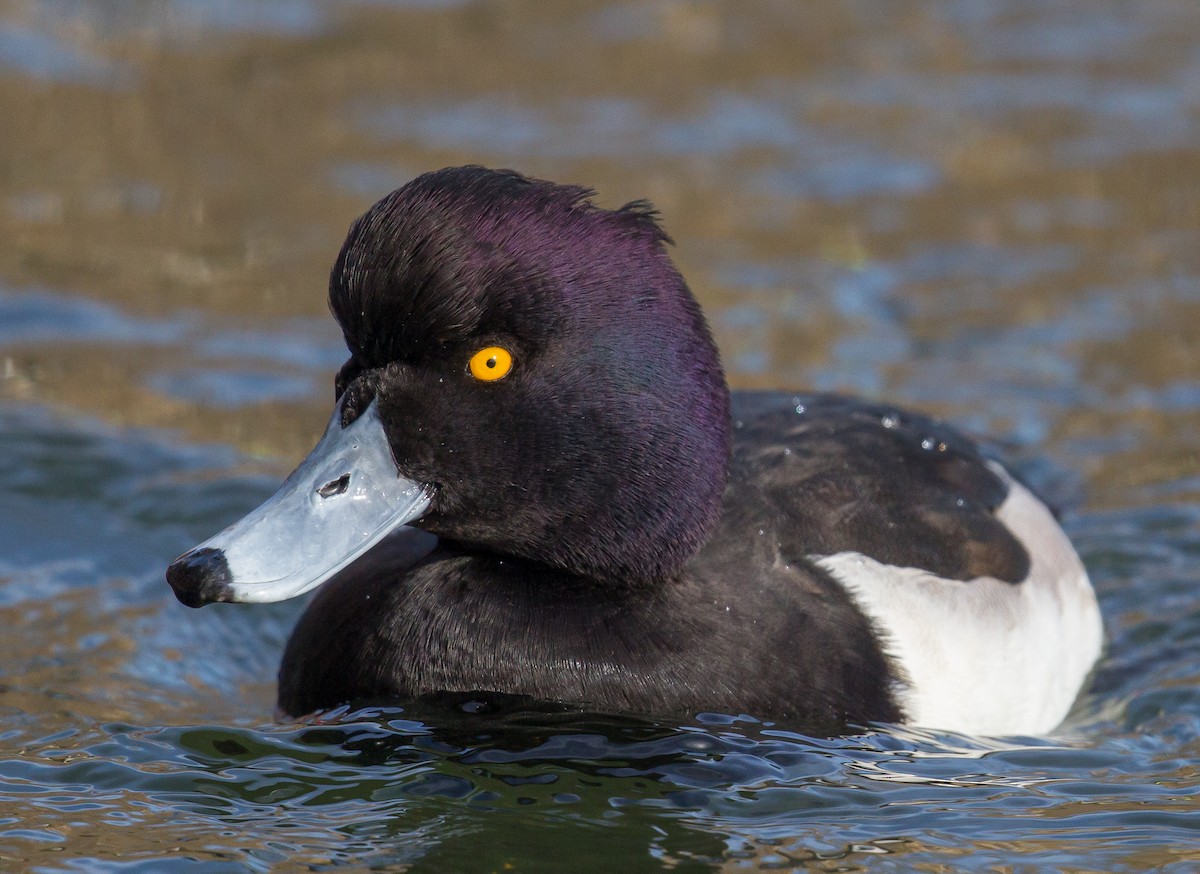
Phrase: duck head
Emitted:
{"points": [[529, 375]]}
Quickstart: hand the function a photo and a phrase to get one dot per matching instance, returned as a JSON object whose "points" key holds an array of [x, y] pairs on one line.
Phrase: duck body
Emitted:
{"points": [[774, 602], [733, 631], [534, 403]]}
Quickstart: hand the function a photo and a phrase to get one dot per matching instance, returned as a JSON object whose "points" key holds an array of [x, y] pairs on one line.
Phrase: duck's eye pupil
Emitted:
{"points": [[491, 362]]}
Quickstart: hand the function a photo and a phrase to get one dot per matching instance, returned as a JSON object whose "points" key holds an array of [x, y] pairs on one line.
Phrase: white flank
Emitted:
{"points": [[985, 656]]}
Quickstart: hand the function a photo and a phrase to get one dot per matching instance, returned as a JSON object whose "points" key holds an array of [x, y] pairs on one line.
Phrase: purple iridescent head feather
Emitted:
{"points": [[612, 354]]}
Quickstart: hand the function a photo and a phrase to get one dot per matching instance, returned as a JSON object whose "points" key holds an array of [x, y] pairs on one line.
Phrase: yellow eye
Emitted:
{"points": [[491, 363]]}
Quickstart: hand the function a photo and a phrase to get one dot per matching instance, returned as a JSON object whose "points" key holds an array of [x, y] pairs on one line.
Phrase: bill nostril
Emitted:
{"points": [[335, 487], [200, 577]]}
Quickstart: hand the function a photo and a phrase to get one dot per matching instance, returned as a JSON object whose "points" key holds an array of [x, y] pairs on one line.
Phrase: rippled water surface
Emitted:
{"points": [[983, 208]]}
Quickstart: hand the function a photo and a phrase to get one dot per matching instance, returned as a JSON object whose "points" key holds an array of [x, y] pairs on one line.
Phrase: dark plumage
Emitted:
{"points": [[462, 258]]}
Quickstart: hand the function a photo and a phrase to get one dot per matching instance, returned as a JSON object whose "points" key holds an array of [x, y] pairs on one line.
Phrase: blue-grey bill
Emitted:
{"points": [[344, 498]]}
